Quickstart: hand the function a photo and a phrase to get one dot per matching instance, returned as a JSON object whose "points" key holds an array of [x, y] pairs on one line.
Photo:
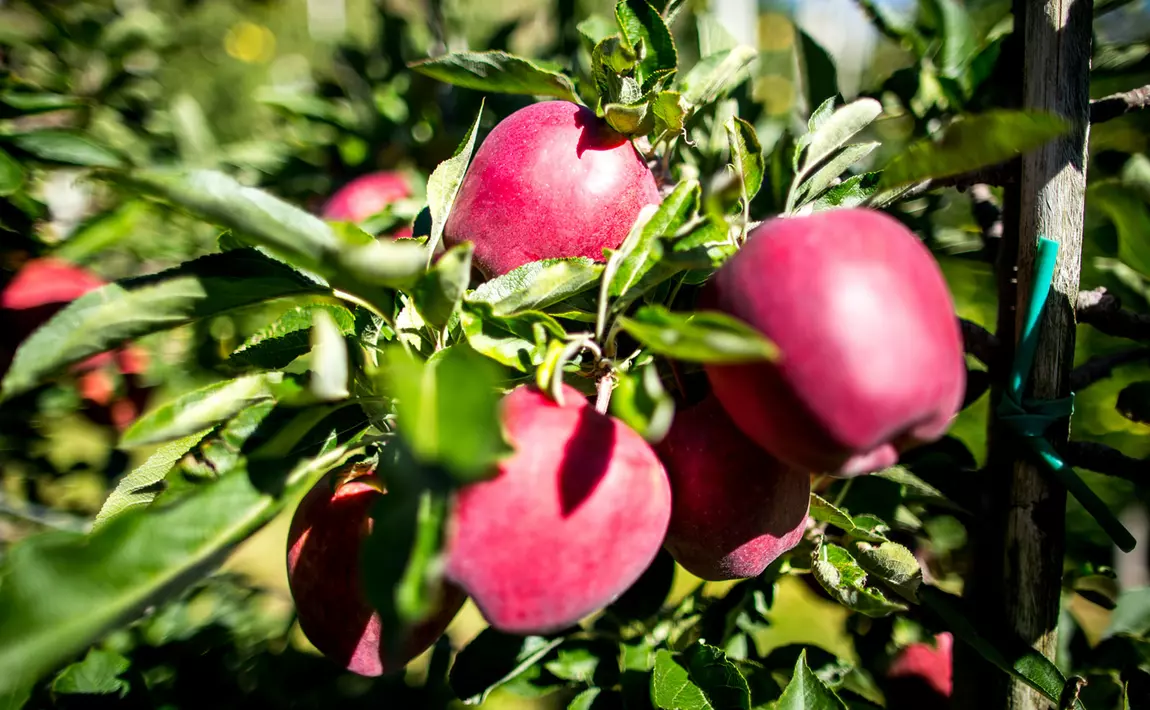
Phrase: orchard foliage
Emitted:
{"points": [[316, 339]]}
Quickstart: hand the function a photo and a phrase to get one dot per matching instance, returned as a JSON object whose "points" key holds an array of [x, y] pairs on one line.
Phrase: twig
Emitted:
{"points": [[1111, 107], [1101, 458], [1102, 366], [1068, 700], [1103, 310], [979, 341], [997, 175]]}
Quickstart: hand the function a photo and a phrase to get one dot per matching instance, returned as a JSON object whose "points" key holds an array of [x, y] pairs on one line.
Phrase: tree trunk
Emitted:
{"points": [[1018, 566]]}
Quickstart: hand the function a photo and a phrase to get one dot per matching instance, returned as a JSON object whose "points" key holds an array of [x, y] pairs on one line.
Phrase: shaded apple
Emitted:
{"points": [[735, 508], [569, 521], [921, 674], [323, 559], [551, 180], [872, 359], [368, 195]]}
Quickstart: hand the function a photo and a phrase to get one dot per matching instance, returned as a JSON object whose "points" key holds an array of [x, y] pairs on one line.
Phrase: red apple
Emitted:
{"points": [[735, 508], [872, 358], [368, 195], [323, 560], [570, 520], [551, 180], [922, 672]]}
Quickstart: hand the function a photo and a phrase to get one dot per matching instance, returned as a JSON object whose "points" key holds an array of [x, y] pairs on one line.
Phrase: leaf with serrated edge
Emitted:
{"points": [[63, 146], [519, 341], [700, 678], [443, 185], [276, 345], [497, 72], [825, 512], [702, 336], [834, 131], [845, 580], [852, 192], [135, 489], [200, 409], [537, 285], [747, 157], [892, 563], [642, 25], [806, 691], [817, 184], [98, 674]]}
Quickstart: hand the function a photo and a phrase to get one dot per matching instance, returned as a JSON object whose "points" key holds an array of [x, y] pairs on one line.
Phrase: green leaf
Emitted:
{"points": [[820, 76], [823, 177], [200, 409], [276, 345], [974, 142], [634, 257], [700, 678], [1127, 209], [350, 259], [62, 146], [591, 661], [494, 658], [537, 285], [806, 692], [829, 132], [670, 111], [703, 336], [443, 185], [139, 487], [448, 409], [1134, 402], [11, 174], [329, 361], [193, 135], [643, 27], [842, 577], [893, 564], [640, 401], [107, 317], [852, 192], [98, 674], [717, 74], [62, 591], [861, 528], [597, 699], [596, 28], [997, 645], [747, 157], [519, 341], [440, 291], [497, 72], [37, 102], [102, 231], [630, 119], [959, 38]]}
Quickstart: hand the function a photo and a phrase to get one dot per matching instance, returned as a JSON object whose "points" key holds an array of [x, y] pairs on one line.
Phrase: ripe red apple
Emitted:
{"points": [[921, 674], [367, 195], [571, 519], [323, 559], [735, 508], [551, 180], [872, 358]]}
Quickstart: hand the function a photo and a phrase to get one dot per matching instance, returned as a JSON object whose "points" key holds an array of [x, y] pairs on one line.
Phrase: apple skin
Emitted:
{"points": [[921, 674], [570, 520], [735, 508], [323, 559], [367, 195], [872, 357], [551, 180]]}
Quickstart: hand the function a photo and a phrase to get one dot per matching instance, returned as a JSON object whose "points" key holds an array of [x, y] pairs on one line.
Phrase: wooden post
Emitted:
{"points": [[1018, 566]]}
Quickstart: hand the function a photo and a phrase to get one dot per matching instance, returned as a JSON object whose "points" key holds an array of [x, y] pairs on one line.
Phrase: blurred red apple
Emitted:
{"points": [[872, 357], [921, 674], [571, 519], [368, 195], [324, 576], [551, 180]]}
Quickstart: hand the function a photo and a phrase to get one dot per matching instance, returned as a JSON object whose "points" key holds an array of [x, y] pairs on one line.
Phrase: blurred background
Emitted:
{"points": [[301, 96]]}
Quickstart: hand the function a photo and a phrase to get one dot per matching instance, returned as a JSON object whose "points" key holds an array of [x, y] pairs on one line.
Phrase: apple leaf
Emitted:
{"points": [[518, 341], [1134, 402], [276, 345], [824, 177], [448, 409], [846, 581], [537, 285], [700, 678], [862, 527], [747, 158], [200, 409], [497, 72], [643, 27], [959, 38], [806, 691], [445, 180], [596, 699], [820, 76], [139, 487], [11, 174], [829, 131], [634, 257], [1129, 213], [98, 674], [63, 146], [109, 316], [893, 564], [641, 402], [670, 111], [329, 361], [852, 192], [717, 74], [703, 336], [29, 102], [494, 658], [440, 291], [974, 142]]}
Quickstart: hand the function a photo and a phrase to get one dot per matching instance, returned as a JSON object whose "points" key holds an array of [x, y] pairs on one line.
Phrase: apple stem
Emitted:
{"points": [[603, 390]]}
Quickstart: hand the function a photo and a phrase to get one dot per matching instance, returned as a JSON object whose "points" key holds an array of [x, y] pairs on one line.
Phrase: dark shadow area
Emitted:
{"points": [[586, 457], [594, 133]]}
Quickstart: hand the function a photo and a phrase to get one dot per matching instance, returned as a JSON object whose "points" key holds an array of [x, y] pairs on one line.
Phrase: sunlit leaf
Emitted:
{"points": [[703, 336], [443, 185], [497, 72]]}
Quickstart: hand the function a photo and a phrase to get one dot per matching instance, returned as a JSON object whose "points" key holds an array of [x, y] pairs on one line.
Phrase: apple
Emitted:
{"points": [[551, 180], [569, 521], [872, 358], [323, 561], [368, 195], [921, 674], [735, 508]]}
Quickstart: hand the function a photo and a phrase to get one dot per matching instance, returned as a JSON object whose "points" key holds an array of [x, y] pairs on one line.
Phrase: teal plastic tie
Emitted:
{"points": [[1029, 419]]}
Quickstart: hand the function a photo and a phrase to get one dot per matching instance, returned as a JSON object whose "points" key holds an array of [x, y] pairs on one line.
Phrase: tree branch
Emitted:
{"points": [[1111, 107], [1103, 310], [998, 175], [1102, 366], [979, 342], [1101, 458]]}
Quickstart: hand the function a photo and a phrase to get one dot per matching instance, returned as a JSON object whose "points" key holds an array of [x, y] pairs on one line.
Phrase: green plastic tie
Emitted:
{"points": [[1029, 419]]}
